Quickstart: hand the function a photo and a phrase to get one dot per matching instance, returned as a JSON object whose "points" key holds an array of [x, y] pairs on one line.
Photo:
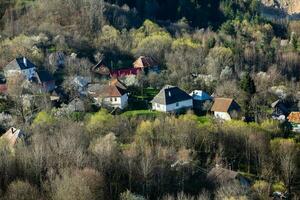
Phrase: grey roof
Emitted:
{"points": [[171, 94], [21, 63]]}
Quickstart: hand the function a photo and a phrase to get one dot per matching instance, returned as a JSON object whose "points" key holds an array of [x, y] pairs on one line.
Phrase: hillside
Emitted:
{"points": [[285, 8], [149, 100]]}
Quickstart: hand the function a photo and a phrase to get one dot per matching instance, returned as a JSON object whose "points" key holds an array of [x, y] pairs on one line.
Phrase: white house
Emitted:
{"points": [[171, 99], [225, 108], [21, 66], [113, 95]]}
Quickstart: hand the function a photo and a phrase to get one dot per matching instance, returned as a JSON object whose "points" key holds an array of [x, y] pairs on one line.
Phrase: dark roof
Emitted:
{"points": [[170, 94], [224, 105], [44, 76], [101, 68], [281, 107], [24, 63]]}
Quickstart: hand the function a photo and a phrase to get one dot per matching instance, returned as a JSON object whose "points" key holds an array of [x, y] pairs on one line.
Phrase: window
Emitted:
{"points": [[111, 99], [116, 99], [177, 104]]}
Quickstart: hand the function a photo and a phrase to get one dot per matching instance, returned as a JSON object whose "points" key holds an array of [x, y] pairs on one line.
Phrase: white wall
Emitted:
{"points": [[115, 102], [28, 73], [297, 128], [222, 115], [173, 107]]}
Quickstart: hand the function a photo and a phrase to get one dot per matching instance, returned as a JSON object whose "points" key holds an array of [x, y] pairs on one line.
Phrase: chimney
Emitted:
{"points": [[25, 61]]}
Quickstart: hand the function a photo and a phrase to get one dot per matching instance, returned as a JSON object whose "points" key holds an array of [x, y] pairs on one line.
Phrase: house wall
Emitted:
{"points": [[173, 107], [296, 128], [28, 73], [222, 115], [116, 102]]}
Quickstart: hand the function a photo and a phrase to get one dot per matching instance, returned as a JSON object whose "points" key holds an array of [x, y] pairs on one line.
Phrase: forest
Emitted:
{"points": [[224, 47]]}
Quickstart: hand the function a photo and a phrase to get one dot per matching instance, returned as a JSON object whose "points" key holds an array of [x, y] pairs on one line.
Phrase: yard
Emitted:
{"points": [[145, 94], [141, 113]]}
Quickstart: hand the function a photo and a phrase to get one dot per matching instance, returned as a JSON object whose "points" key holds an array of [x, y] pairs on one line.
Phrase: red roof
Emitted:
{"points": [[294, 117], [124, 72]]}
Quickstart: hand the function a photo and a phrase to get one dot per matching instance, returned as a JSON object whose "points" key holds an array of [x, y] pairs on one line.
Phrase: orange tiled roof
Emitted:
{"points": [[294, 117], [224, 105]]}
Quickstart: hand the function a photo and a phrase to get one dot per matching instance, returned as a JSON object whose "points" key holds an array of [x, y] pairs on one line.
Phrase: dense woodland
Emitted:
{"points": [[223, 47]]}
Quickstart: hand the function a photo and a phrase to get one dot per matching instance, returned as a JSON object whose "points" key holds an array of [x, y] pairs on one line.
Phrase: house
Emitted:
{"points": [[201, 100], [12, 136], [101, 70], [113, 95], [219, 176], [171, 99], [280, 110], [225, 108], [80, 83], [147, 64], [21, 66], [76, 105], [294, 119], [45, 80]]}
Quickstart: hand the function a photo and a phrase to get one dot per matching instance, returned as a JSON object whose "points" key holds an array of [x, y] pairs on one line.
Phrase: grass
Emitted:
{"points": [[139, 113], [204, 119], [148, 93]]}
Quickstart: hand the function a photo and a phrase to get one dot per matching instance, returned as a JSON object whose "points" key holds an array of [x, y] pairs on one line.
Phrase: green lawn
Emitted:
{"points": [[148, 93], [143, 113], [204, 119]]}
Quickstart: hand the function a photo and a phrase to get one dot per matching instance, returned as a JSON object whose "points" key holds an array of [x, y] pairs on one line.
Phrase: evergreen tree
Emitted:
{"points": [[247, 84]]}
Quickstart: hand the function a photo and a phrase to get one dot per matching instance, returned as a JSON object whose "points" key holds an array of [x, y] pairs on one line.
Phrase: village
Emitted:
{"points": [[105, 88], [149, 100]]}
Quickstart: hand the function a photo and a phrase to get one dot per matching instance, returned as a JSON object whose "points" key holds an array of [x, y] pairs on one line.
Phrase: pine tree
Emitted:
{"points": [[247, 84]]}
